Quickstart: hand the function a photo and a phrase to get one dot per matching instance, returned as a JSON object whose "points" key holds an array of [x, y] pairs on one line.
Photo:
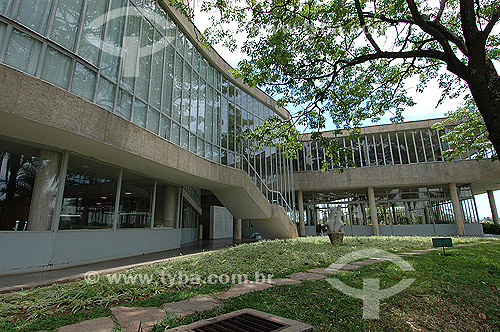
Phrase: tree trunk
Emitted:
{"points": [[485, 88]]}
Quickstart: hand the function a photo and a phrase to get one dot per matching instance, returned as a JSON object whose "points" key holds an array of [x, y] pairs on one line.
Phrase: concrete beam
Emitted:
{"points": [[482, 174]]}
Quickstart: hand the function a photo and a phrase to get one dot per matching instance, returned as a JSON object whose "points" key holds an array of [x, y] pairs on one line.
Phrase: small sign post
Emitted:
{"points": [[442, 242]]}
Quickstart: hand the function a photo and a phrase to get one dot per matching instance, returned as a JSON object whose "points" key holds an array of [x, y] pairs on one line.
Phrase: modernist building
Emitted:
{"points": [[118, 136]]}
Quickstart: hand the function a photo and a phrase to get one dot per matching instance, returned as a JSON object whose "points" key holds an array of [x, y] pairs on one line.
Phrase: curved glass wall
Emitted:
{"points": [[131, 58]]}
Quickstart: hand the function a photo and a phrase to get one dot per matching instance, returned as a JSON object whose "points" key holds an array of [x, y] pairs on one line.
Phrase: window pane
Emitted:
{"points": [[83, 82], [124, 104], [179, 44], [201, 147], [177, 94], [156, 72], [209, 114], [89, 195], [153, 120], [2, 32], [193, 118], [168, 79], [165, 127], [176, 133], [34, 14], [113, 40], [224, 124], [105, 94], [185, 139], [231, 119], [160, 19], [25, 173], [186, 95], [140, 111], [23, 52], [142, 88], [201, 108], [196, 60], [216, 125], [189, 51], [66, 22], [92, 36], [56, 68], [135, 201], [6, 6], [192, 143], [203, 68], [129, 61]]}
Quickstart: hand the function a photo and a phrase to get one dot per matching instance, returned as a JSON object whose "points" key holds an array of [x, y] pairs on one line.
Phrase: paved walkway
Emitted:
{"points": [[131, 318], [28, 280]]}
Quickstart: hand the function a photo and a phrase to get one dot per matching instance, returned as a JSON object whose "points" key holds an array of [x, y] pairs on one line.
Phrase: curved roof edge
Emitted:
{"points": [[190, 30]]}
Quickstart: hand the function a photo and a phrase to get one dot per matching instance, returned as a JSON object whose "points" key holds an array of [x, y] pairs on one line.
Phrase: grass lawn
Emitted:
{"points": [[459, 292]]}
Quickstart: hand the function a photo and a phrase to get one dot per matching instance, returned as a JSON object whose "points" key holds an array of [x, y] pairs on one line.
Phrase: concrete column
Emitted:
{"points": [[302, 224], [457, 209], [373, 211], [493, 207], [169, 206], [236, 229], [43, 198]]}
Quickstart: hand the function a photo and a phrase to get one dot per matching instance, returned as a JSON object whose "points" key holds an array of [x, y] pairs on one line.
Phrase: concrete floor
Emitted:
{"points": [[28, 280]]}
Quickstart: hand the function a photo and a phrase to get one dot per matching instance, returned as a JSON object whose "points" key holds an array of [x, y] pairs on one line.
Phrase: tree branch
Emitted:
{"points": [[364, 27], [494, 19], [442, 4]]}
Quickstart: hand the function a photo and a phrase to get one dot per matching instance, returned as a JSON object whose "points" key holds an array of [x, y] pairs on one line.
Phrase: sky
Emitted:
{"points": [[425, 107]]}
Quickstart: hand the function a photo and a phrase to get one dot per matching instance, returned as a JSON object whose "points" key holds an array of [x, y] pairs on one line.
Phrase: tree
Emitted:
{"points": [[352, 60], [467, 134]]}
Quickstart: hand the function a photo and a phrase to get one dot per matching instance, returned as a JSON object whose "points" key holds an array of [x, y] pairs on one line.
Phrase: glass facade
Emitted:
{"points": [[132, 59], [395, 206], [381, 149], [89, 195]]}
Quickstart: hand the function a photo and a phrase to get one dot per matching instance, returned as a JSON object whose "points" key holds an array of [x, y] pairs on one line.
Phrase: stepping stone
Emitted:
{"points": [[104, 324], [366, 262], [129, 318], [306, 276], [192, 305], [324, 270], [343, 267], [243, 288], [283, 281]]}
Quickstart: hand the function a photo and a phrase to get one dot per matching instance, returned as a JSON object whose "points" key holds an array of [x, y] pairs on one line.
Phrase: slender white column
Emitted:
{"points": [[44, 194], [493, 207], [236, 229], [302, 224], [373, 211], [457, 209]]}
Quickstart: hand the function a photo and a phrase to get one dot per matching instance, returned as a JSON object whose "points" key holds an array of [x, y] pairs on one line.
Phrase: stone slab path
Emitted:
{"points": [[130, 317], [192, 305], [243, 288], [105, 324]]}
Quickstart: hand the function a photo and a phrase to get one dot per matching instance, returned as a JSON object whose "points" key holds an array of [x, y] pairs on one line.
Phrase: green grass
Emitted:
{"points": [[313, 302]]}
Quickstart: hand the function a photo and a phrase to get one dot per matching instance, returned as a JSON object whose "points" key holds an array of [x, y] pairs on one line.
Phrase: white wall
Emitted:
{"points": [[33, 251], [221, 223]]}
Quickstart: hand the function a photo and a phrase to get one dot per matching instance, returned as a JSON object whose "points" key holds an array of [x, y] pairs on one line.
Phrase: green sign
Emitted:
{"points": [[442, 242]]}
